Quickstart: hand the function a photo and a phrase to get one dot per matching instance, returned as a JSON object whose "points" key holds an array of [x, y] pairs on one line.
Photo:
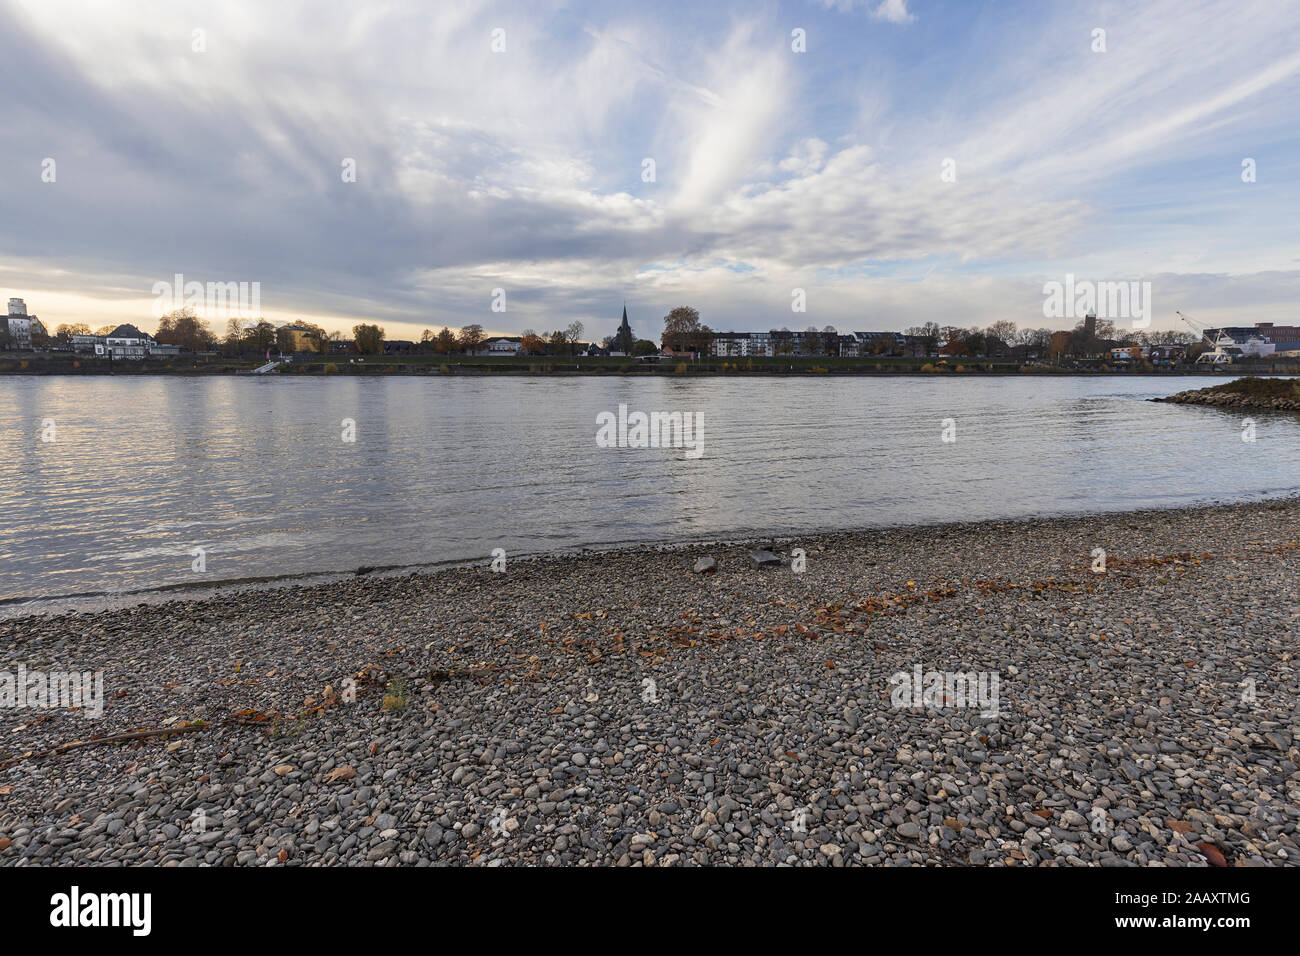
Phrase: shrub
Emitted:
{"points": [[331, 368], [395, 695], [927, 367], [679, 370]]}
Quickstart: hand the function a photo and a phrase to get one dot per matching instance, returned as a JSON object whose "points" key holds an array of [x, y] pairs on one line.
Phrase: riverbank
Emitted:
{"points": [[618, 708], [1273, 394], [454, 365]]}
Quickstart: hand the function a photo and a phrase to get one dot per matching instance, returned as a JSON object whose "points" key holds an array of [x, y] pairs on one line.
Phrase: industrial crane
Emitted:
{"points": [[1222, 347]]}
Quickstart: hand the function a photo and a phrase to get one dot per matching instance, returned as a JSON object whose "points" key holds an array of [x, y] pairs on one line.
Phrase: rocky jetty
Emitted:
{"points": [[1276, 394]]}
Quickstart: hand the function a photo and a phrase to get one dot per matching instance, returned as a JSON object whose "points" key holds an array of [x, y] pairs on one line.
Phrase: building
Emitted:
{"points": [[18, 325], [88, 343], [1061, 344], [128, 342], [1285, 339], [301, 338], [623, 340], [729, 344], [881, 343], [501, 346]]}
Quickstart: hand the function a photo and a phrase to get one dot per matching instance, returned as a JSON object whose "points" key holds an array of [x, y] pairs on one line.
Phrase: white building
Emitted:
{"points": [[729, 344], [127, 342], [500, 345], [18, 324]]}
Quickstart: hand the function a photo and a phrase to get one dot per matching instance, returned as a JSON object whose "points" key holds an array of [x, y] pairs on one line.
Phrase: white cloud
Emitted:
{"points": [[895, 11]]}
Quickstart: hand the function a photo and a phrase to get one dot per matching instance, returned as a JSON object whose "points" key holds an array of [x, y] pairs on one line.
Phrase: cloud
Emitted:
{"points": [[895, 11], [524, 170]]}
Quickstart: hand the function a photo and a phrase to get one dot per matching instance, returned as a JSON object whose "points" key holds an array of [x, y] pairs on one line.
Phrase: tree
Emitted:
{"points": [[644, 347], [369, 338], [261, 336], [813, 343], [64, 333], [445, 341], [532, 343], [1000, 337], [927, 334], [284, 340], [470, 337], [105, 329], [184, 328], [320, 339], [234, 340], [574, 333], [683, 330]]}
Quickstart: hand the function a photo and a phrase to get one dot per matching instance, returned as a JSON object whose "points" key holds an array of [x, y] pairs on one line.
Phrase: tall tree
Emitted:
{"points": [[470, 337], [64, 333], [369, 338], [444, 342], [683, 330], [184, 328], [574, 334], [234, 340]]}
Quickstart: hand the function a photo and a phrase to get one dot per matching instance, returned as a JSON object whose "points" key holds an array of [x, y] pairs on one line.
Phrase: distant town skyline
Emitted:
{"points": [[899, 161]]}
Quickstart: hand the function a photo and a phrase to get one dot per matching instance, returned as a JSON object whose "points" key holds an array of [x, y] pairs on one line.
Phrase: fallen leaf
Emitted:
{"points": [[1212, 853], [345, 772], [1180, 826]]}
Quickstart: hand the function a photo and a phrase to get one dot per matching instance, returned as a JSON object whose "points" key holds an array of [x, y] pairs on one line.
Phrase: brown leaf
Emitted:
{"points": [[340, 773], [4, 843], [282, 855], [1212, 853], [1180, 826], [1045, 814]]}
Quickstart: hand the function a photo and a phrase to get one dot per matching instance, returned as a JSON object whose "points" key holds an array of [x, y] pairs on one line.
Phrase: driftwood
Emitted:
{"points": [[111, 739], [241, 719]]}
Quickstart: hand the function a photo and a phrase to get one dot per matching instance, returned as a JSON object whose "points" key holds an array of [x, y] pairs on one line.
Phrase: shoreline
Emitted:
{"points": [[528, 734], [81, 602]]}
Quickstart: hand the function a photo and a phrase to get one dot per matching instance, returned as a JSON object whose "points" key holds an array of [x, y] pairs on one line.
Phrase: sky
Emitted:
{"points": [[899, 162]]}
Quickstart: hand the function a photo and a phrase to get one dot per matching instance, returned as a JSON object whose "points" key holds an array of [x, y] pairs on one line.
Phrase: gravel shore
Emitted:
{"points": [[618, 708]]}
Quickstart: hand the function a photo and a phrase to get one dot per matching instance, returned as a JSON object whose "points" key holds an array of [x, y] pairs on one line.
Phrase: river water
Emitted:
{"points": [[147, 477]]}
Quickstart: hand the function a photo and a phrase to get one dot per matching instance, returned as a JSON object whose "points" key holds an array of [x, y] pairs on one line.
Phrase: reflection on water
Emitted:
{"points": [[254, 471]]}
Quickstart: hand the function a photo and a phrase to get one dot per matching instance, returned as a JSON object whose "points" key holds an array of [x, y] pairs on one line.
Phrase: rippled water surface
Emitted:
{"points": [[145, 470]]}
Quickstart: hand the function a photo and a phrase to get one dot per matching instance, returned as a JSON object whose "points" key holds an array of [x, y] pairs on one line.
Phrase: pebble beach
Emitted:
{"points": [[620, 708]]}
